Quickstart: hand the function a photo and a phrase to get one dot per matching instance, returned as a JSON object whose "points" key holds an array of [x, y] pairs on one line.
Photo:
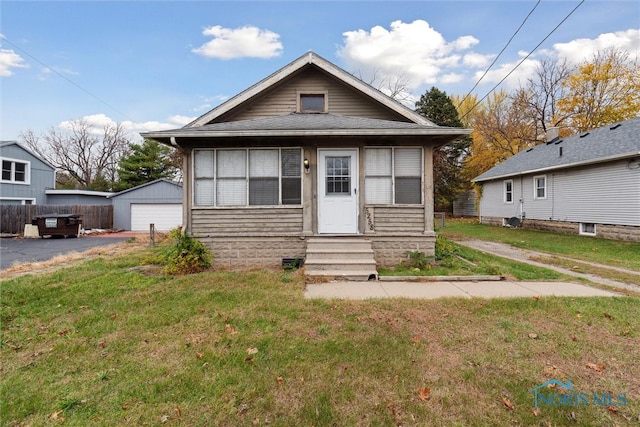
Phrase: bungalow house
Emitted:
{"points": [[307, 158], [25, 175], [586, 184]]}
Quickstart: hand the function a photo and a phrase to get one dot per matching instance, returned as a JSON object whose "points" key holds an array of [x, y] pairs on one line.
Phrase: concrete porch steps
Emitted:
{"points": [[342, 258]]}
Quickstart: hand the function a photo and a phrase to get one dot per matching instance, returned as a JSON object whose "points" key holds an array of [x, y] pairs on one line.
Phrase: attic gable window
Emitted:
{"points": [[312, 102]]}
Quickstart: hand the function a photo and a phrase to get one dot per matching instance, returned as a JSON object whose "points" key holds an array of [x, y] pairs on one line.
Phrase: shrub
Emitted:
{"points": [[445, 248], [187, 255], [417, 259]]}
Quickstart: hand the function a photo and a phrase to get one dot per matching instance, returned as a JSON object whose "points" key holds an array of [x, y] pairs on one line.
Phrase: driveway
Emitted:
{"points": [[20, 251]]}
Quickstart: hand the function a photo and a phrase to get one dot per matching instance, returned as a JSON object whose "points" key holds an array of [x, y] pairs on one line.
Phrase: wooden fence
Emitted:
{"points": [[14, 217]]}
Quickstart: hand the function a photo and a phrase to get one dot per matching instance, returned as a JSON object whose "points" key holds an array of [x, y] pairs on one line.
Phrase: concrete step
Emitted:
{"points": [[356, 275], [335, 257]]}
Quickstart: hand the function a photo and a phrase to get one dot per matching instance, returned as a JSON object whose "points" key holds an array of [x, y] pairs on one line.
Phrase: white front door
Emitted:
{"points": [[337, 191]]}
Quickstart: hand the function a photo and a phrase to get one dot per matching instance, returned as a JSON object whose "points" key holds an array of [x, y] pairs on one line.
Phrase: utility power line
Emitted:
{"points": [[523, 59], [503, 49]]}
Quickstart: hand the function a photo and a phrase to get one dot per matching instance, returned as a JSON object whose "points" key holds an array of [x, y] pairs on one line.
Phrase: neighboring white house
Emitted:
{"points": [[585, 184]]}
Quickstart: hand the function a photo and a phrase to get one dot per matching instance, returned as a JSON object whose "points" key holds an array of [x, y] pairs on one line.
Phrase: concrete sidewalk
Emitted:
{"points": [[460, 289]]}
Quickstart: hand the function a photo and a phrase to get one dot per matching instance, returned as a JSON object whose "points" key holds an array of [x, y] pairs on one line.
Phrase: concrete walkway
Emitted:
{"points": [[460, 289]]}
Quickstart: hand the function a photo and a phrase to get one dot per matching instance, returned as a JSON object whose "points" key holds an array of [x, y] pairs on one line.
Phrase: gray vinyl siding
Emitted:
{"points": [[601, 194], [341, 100], [397, 219], [76, 199], [246, 221], [41, 177], [157, 192]]}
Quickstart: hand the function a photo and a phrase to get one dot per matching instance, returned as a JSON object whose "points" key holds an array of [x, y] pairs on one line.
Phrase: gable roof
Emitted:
{"points": [[310, 59], [27, 150], [604, 144], [146, 184]]}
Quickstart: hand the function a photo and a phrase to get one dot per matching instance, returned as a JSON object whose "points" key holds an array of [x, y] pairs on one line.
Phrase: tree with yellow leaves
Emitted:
{"points": [[602, 91]]}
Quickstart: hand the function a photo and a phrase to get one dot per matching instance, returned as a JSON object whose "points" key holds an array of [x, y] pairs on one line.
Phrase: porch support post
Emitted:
{"points": [[428, 189], [308, 183], [187, 185]]}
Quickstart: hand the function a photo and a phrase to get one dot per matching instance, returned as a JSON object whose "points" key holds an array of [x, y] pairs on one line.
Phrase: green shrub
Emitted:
{"points": [[445, 248], [186, 255], [417, 259]]}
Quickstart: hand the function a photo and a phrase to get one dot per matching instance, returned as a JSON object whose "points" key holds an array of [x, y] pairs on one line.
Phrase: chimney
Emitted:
{"points": [[552, 133]]}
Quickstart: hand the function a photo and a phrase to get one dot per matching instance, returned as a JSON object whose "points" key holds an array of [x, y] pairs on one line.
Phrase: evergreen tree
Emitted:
{"points": [[448, 178], [145, 163]]}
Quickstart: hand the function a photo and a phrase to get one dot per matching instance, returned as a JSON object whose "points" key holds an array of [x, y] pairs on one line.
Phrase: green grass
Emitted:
{"points": [[611, 252], [104, 343], [478, 263]]}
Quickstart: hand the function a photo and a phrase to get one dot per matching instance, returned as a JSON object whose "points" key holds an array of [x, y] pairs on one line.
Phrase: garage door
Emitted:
{"points": [[164, 216]]}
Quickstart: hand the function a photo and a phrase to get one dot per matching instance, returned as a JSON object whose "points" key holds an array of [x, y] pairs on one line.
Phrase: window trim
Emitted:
{"points": [[588, 233], [300, 94], [27, 171], [246, 178], [535, 187], [505, 192], [393, 176]]}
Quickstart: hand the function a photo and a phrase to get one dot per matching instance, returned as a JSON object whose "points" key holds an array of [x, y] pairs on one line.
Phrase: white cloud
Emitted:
{"points": [[415, 50], [97, 123], [579, 50], [247, 41], [517, 78], [10, 60]]}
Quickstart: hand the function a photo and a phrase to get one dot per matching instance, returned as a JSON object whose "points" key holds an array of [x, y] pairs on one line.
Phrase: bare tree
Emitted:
{"points": [[91, 159], [394, 85], [545, 89]]}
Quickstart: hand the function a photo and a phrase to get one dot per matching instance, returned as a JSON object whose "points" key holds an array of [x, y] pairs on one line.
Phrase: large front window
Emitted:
{"points": [[393, 176], [247, 177]]}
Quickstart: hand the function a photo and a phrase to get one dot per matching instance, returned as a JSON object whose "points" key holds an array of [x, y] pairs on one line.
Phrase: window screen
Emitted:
{"points": [[232, 183]]}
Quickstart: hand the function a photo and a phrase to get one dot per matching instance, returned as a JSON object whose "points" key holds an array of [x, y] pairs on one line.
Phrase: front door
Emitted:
{"points": [[337, 191]]}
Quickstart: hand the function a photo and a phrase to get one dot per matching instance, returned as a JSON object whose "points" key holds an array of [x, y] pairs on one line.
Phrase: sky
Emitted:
{"points": [[155, 65]]}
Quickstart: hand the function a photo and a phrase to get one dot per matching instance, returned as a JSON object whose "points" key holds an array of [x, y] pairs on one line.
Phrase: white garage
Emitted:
{"points": [[165, 217], [158, 202]]}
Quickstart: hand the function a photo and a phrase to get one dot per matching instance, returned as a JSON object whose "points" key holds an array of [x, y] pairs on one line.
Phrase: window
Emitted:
{"points": [[247, 177], [15, 171], [312, 103], [338, 175], [393, 176], [540, 187], [587, 229], [508, 191]]}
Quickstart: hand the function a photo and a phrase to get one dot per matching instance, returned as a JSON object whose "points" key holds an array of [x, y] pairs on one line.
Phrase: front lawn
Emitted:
{"points": [[107, 342]]}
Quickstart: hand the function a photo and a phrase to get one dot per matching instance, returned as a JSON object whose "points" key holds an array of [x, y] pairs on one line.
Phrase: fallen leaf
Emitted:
{"points": [[533, 336], [126, 406], [424, 394], [508, 404], [255, 421], [56, 415], [201, 309], [102, 344], [415, 339], [612, 409], [248, 359], [178, 412], [164, 419], [252, 350], [113, 316], [230, 329], [199, 355], [579, 315], [573, 338], [280, 380], [598, 367], [536, 298], [536, 411], [608, 316]]}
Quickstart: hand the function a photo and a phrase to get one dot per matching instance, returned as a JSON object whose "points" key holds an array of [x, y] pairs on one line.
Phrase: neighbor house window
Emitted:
{"points": [[540, 187], [587, 229], [393, 176], [15, 171], [508, 191], [247, 177], [312, 102]]}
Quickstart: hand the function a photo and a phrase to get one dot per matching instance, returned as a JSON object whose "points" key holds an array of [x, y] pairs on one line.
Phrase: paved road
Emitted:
{"points": [[20, 251]]}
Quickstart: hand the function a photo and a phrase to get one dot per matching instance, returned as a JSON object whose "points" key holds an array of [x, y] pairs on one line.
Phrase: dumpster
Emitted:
{"points": [[58, 225]]}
